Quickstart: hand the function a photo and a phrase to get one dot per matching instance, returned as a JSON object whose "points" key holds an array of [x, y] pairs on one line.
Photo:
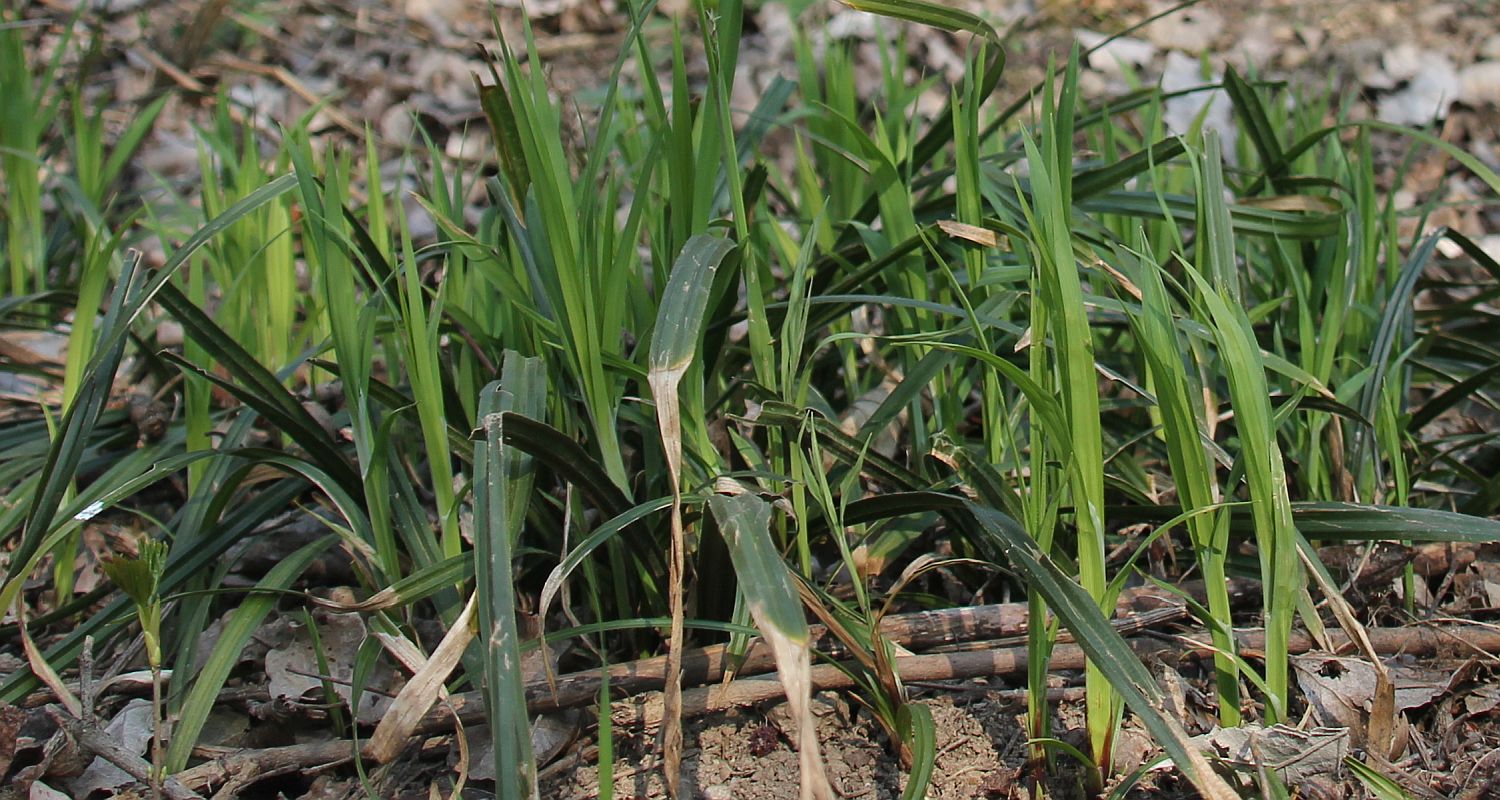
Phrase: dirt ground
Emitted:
{"points": [[748, 755]]}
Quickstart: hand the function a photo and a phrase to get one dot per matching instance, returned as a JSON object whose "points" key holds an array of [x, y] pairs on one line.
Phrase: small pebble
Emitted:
{"points": [[1112, 57], [1431, 90], [1192, 30], [1479, 84]]}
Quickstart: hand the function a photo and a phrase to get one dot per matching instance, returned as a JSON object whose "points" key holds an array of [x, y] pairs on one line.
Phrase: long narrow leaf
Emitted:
{"points": [[227, 651], [679, 325], [768, 589], [502, 488]]}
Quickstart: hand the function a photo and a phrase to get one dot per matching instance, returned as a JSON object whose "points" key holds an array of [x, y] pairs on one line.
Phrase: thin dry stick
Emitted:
{"points": [[285, 77], [244, 767], [646, 710], [915, 631], [90, 738]]}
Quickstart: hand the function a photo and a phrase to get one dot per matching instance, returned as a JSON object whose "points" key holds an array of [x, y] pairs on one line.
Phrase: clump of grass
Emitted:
{"points": [[23, 111], [1074, 339]]}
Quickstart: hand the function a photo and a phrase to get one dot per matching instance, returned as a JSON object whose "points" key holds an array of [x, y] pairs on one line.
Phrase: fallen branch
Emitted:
{"points": [[922, 630], [241, 768], [646, 710]]}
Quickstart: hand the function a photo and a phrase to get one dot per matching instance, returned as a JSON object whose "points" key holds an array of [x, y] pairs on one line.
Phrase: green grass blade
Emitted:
{"points": [[1377, 784], [1191, 466], [916, 718], [1359, 522], [1262, 135], [769, 592], [237, 632], [300, 425], [569, 460], [1264, 466], [78, 422], [940, 134], [1092, 182], [183, 562], [502, 489], [590, 543], [1098, 639], [1060, 291]]}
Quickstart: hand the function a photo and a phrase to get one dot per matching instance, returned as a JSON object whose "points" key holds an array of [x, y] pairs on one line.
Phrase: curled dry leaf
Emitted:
{"points": [[293, 671], [1294, 755], [424, 689]]}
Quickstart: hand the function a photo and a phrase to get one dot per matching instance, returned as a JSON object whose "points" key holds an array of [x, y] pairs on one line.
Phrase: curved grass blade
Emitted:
{"points": [[1258, 127], [183, 562], [1008, 541], [81, 416], [1060, 293], [261, 390], [1452, 396], [592, 542], [1377, 784], [1265, 469], [1089, 183], [1191, 466], [247, 205], [1247, 220], [501, 116], [126, 477], [1311, 140], [1472, 249], [1360, 522], [841, 445], [421, 584], [348, 505], [770, 594], [940, 134], [566, 458], [300, 426], [232, 640], [1395, 323], [679, 326], [921, 736]]}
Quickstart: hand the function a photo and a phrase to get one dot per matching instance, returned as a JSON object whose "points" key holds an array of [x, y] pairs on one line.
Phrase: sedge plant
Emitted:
{"points": [[653, 356]]}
